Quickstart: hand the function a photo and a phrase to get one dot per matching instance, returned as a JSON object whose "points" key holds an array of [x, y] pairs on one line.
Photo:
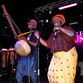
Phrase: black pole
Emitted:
{"points": [[38, 44]]}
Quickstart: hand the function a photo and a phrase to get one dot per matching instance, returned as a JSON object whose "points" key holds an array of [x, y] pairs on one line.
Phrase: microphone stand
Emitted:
{"points": [[38, 44]]}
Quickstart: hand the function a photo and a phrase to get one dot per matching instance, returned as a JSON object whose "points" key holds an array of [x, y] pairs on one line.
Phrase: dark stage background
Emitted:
{"points": [[21, 11]]}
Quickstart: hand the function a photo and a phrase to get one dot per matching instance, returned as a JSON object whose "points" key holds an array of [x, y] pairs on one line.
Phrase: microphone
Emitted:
{"points": [[56, 31], [44, 21], [41, 21]]}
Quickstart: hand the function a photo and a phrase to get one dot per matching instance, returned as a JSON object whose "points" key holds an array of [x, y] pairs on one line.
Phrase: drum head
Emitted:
{"points": [[22, 48], [11, 49], [4, 49]]}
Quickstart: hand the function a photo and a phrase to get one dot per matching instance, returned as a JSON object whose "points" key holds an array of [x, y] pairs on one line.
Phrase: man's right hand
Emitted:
{"points": [[37, 34]]}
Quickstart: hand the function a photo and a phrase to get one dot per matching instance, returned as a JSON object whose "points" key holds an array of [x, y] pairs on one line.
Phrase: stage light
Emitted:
{"points": [[73, 23], [47, 20], [50, 12], [5, 27], [68, 6]]}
